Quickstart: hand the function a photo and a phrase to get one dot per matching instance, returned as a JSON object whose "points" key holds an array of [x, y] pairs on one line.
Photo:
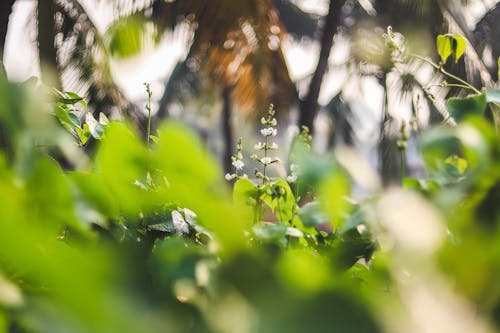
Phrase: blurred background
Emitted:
{"points": [[218, 65]]}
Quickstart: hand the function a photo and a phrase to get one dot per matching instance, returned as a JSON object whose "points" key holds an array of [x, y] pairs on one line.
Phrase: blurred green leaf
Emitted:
{"points": [[94, 191], [311, 214], [461, 108], [333, 194], [493, 95], [270, 231], [244, 196], [130, 35]]}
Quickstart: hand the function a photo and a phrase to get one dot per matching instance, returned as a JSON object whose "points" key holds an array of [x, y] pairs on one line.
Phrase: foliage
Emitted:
{"points": [[148, 236]]}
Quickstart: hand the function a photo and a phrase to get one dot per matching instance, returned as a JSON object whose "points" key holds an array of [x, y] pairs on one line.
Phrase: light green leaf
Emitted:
{"points": [[333, 192], [459, 46], [448, 44], [279, 197], [444, 45], [244, 196]]}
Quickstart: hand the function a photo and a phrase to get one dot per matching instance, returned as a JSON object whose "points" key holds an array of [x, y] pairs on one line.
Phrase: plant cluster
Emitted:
{"points": [[147, 237]]}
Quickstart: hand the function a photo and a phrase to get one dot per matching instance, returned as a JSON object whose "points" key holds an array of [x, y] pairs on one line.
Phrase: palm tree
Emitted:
{"points": [[235, 49], [309, 106], [73, 55]]}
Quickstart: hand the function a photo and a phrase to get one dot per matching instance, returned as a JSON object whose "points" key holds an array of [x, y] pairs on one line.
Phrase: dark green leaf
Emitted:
{"points": [[461, 108]]}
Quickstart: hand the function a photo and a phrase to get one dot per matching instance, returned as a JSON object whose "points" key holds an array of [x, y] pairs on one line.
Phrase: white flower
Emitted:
{"points": [[259, 146], [229, 176], [266, 160], [238, 164], [294, 167], [292, 178], [274, 145], [269, 131], [179, 223]]}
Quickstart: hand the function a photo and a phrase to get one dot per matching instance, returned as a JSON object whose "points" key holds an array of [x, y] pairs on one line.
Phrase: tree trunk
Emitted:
{"points": [[46, 10], [309, 106], [5, 11], [389, 155], [227, 128]]}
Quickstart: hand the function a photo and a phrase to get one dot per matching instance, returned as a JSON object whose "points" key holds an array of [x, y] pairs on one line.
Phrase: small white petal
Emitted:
{"points": [[229, 176], [238, 164], [266, 160], [259, 146]]}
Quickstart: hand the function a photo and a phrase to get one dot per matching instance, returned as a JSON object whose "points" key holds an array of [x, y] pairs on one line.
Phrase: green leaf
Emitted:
{"points": [[279, 197], [94, 191], [50, 194], [493, 95], [448, 44], [333, 192], [129, 36], [461, 108], [244, 196], [83, 134], [311, 214], [459, 46], [270, 231], [444, 44], [122, 161]]}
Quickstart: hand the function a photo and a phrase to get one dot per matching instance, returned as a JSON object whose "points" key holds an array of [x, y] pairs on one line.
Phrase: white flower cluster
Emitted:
{"points": [[269, 131]]}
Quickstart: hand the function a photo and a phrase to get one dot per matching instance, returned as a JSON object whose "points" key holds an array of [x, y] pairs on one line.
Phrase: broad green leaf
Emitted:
{"points": [[49, 194], [461, 108], [94, 191], [333, 192], [122, 162], [195, 182], [444, 44], [244, 196], [280, 199]]}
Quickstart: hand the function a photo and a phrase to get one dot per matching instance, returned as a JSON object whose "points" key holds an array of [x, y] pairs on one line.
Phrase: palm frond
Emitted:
{"points": [[84, 63]]}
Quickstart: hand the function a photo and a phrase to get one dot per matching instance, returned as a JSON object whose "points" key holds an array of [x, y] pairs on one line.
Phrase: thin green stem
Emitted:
{"points": [[466, 84], [148, 107]]}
